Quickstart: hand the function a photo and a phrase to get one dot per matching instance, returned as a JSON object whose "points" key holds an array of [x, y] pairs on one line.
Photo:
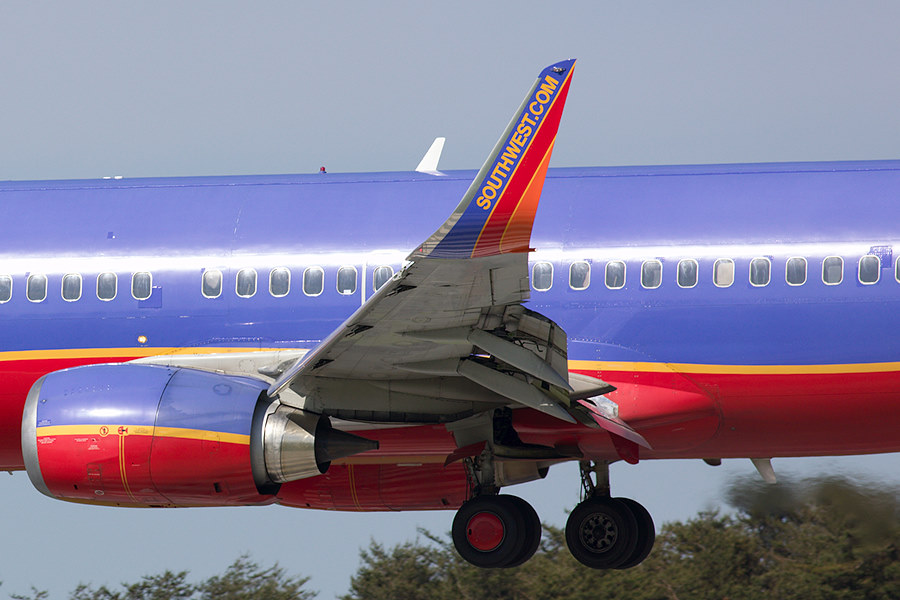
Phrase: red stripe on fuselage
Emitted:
{"points": [[683, 415], [704, 415]]}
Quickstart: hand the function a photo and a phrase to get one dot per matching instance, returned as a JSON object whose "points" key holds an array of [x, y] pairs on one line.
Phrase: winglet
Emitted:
{"points": [[496, 214]]}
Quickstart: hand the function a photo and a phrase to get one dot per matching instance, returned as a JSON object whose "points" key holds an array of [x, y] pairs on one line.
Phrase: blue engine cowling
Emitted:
{"points": [[148, 435]]}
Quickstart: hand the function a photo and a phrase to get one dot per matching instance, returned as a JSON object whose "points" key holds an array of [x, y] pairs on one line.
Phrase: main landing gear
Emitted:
{"points": [[496, 531], [501, 531], [604, 532]]}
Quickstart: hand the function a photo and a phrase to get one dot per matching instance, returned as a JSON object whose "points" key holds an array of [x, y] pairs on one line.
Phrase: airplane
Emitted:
{"points": [[335, 341]]}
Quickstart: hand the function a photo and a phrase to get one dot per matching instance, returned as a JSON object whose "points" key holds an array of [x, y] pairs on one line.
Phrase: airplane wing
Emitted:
{"points": [[448, 336]]}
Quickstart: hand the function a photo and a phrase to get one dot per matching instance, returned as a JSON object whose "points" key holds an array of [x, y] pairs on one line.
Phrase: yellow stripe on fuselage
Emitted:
{"points": [[574, 365], [651, 367]]}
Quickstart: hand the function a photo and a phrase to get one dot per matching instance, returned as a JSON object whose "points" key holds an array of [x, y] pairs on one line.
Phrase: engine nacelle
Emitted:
{"points": [[147, 435]]}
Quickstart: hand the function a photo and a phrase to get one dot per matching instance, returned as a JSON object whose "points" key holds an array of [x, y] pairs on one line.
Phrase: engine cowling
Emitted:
{"points": [[147, 435]]}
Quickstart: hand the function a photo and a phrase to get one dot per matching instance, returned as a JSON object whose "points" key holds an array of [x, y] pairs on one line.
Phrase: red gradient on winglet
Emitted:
{"points": [[517, 236], [508, 229]]}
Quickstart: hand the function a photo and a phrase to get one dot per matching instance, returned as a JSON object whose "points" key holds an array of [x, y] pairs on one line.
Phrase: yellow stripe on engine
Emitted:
{"points": [[168, 432], [110, 353]]}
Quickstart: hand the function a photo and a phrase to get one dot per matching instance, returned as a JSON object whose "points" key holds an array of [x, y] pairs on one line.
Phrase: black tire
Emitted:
{"points": [[532, 532], [646, 533], [488, 531], [601, 533]]}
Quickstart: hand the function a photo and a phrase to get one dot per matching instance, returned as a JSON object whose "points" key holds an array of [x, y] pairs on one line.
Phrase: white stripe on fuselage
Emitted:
{"points": [[21, 265]]}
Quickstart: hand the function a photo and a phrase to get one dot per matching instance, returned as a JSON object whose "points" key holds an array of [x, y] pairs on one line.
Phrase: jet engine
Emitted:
{"points": [[148, 435]]}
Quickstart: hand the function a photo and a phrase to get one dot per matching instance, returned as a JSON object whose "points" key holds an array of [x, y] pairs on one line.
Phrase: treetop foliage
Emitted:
{"points": [[243, 580]]}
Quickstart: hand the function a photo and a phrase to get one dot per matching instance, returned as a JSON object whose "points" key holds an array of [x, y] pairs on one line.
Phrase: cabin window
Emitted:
{"points": [[687, 273], [723, 272], [832, 270], [381, 275], [71, 287], [795, 271], [651, 274], [36, 288], [760, 272], [542, 276], [5, 288], [579, 275], [106, 286], [141, 285], [212, 283], [245, 284], [869, 269], [280, 282], [313, 281], [346, 280], [615, 274]]}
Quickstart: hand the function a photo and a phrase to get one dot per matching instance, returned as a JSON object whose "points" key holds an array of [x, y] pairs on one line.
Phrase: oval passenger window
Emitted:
{"points": [[542, 276], [106, 286]]}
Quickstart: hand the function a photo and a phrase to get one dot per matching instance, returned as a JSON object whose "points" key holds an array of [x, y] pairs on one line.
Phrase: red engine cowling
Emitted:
{"points": [[355, 487], [147, 435]]}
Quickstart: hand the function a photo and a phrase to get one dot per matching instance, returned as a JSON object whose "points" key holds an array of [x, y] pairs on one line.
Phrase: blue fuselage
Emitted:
{"points": [[177, 228]]}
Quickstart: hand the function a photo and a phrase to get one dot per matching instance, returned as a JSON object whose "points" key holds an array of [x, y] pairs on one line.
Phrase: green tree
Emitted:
{"points": [[825, 539], [87, 592], [409, 571], [35, 594], [245, 580], [165, 586]]}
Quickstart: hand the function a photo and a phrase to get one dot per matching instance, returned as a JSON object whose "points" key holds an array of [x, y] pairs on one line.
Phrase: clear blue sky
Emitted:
{"points": [[172, 88]]}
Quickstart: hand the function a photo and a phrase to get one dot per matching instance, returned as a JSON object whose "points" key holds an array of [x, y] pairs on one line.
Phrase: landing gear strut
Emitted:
{"points": [[604, 532], [493, 530]]}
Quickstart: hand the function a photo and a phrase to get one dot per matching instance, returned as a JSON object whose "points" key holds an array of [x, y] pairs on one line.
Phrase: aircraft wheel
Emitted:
{"points": [[532, 531], [601, 533], [646, 535], [489, 531]]}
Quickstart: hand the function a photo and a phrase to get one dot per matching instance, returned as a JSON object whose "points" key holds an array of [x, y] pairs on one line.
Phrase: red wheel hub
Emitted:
{"points": [[485, 531]]}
